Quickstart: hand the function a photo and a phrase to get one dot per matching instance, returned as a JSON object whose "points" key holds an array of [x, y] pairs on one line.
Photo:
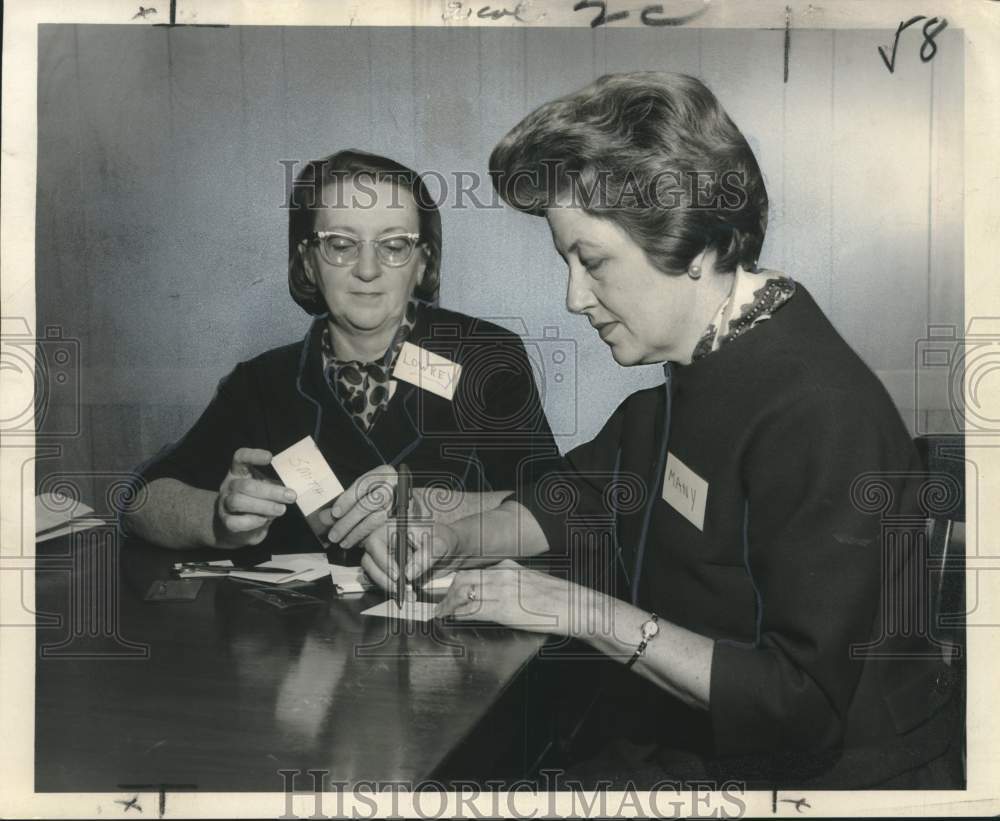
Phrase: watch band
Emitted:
{"points": [[647, 634]]}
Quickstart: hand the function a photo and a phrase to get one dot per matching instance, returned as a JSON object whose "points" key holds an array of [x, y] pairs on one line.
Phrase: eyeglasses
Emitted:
{"points": [[343, 249]]}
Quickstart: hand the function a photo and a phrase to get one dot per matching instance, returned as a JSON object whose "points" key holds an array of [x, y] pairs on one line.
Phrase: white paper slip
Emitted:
{"points": [[303, 469], [430, 371], [350, 579], [411, 610], [211, 570], [685, 491], [72, 526], [302, 567], [57, 514]]}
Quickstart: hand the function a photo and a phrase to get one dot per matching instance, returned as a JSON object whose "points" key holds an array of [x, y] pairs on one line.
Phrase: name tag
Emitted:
{"points": [[685, 491], [303, 469], [427, 370]]}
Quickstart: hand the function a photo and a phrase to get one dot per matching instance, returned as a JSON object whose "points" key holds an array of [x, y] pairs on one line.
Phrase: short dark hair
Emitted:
{"points": [[668, 165], [307, 194]]}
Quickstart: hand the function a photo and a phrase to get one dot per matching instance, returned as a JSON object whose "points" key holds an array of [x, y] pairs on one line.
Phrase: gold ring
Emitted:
{"points": [[472, 595]]}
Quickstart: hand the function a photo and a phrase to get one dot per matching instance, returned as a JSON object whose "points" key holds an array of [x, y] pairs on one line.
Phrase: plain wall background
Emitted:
{"points": [[162, 242]]}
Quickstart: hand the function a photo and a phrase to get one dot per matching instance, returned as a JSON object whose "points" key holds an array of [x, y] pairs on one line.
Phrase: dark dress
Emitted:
{"points": [[807, 569], [493, 434]]}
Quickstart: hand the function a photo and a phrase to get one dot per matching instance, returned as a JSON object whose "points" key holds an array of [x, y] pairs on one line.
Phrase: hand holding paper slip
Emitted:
{"points": [[303, 469]]}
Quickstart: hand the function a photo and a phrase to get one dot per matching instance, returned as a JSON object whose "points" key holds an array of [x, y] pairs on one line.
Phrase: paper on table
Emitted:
{"points": [[350, 579], [57, 514], [303, 468], [303, 567], [412, 610], [196, 573]]}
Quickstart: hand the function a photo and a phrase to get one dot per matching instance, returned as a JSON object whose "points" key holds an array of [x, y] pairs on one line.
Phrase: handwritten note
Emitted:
{"points": [[427, 370], [931, 29], [649, 16], [685, 491], [303, 469]]}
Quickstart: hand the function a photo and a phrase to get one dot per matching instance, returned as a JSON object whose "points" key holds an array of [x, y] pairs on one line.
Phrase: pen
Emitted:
{"points": [[403, 492], [207, 568]]}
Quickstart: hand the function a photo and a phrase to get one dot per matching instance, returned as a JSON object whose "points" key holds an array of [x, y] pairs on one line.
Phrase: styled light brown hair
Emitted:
{"points": [[655, 153]]}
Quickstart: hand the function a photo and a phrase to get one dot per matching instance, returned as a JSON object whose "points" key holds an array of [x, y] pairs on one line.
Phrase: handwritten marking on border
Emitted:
{"points": [[927, 49]]}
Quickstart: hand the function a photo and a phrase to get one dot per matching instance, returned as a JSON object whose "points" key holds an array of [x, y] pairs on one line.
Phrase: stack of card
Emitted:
{"points": [[292, 567]]}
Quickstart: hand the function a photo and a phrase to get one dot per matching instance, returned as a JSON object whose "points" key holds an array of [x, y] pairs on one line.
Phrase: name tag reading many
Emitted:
{"points": [[427, 370], [685, 491], [303, 469]]}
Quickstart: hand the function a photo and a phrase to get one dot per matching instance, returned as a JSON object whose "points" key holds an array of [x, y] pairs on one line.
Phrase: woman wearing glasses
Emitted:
{"points": [[383, 376]]}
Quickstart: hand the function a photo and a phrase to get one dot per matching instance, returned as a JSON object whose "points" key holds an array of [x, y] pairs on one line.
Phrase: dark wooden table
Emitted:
{"points": [[222, 692]]}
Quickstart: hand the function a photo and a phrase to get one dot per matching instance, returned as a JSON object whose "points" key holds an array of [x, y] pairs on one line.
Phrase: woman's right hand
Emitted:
{"points": [[434, 558], [246, 506]]}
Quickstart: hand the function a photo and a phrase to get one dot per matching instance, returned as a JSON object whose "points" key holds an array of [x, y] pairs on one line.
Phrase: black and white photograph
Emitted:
{"points": [[431, 408]]}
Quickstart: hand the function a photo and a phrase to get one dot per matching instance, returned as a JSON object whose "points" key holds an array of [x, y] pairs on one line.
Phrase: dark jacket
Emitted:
{"points": [[493, 435], [811, 552]]}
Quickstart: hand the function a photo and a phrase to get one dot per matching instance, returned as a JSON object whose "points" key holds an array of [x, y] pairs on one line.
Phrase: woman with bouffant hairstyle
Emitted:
{"points": [[653, 153], [364, 257], [743, 632]]}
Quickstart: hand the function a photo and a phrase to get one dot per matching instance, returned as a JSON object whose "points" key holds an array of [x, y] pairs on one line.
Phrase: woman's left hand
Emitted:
{"points": [[363, 508], [513, 596]]}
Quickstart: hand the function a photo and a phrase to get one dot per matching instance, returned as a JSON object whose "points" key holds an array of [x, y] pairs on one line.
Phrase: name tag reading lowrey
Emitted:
{"points": [[430, 371], [685, 491], [303, 469]]}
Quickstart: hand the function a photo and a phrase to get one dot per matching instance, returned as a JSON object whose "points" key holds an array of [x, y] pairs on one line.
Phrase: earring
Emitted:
{"points": [[694, 271]]}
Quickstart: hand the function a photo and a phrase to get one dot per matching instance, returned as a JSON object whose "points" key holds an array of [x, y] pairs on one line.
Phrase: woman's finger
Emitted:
{"points": [[437, 554], [375, 573], [262, 489], [244, 523], [374, 522], [239, 503], [357, 517], [377, 549], [374, 491], [458, 594], [244, 457]]}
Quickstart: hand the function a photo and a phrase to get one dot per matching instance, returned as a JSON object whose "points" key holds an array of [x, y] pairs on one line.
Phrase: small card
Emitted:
{"points": [[303, 469], [350, 579], [174, 590], [299, 567], [412, 610], [685, 491], [283, 599], [430, 371]]}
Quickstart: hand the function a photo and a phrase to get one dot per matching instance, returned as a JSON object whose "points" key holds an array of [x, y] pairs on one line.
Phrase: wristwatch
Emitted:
{"points": [[648, 630]]}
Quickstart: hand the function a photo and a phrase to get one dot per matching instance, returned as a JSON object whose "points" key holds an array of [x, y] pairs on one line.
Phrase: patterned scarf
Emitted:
{"points": [[365, 388], [754, 297]]}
